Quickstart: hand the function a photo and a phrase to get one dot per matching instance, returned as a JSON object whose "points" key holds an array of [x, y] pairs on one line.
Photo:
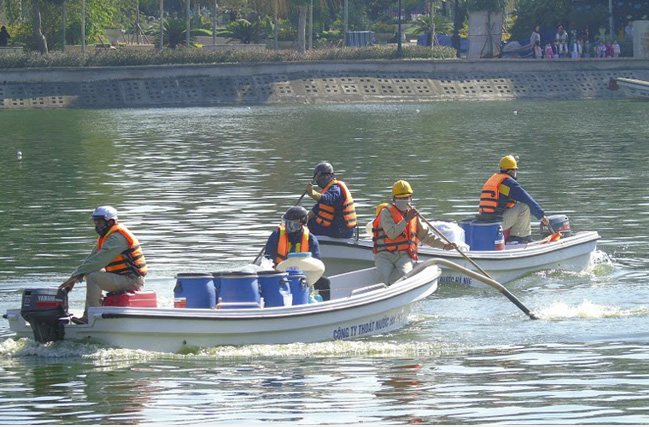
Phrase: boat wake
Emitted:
{"points": [[587, 310], [381, 347]]}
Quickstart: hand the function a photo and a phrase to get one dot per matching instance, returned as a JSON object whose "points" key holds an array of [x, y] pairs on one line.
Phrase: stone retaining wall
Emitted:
{"points": [[314, 83]]}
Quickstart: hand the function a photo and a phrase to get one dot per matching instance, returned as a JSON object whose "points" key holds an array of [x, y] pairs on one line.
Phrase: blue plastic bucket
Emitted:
{"points": [[487, 236], [299, 287], [238, 286], [466, 226], [275, 289], [196, 288]]}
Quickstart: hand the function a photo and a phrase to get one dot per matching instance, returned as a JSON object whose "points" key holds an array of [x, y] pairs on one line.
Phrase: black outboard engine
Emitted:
{"points": [[558, 223], [43, 308]]}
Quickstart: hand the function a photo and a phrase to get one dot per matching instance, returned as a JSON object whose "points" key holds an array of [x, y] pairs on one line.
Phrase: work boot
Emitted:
{"points": [[512, 239]]}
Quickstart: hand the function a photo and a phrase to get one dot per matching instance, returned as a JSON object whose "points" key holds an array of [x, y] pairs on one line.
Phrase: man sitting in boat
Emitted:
{"points": [[334, 214], [116, 263], [293, 236], [397, 232], [504, 199]]}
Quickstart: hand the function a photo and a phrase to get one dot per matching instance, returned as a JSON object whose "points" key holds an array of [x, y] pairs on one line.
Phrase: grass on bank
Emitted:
{"points": [[126, 57]]}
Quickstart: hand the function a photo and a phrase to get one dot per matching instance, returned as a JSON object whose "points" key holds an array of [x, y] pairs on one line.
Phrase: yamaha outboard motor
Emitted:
{"points": [[43, 308], [558, 223]]}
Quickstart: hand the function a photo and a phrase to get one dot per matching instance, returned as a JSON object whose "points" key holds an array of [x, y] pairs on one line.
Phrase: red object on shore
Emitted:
{"points": [[131, 299]]}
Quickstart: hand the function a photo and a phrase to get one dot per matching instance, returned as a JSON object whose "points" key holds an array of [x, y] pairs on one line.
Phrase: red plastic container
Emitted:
{"points": [[132, 299]]}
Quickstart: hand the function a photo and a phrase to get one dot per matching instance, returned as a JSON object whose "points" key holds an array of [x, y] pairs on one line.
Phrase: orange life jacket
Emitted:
{"points": [[283, 245], [406, 241], [326, 213], [131, 260], [491, 194]]}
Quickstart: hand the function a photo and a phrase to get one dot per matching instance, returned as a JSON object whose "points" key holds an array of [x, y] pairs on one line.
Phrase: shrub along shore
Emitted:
{"points": [[126, 57]]}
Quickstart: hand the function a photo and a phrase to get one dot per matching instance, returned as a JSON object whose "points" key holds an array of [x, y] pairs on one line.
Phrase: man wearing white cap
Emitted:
{"points": [[116, 264]]}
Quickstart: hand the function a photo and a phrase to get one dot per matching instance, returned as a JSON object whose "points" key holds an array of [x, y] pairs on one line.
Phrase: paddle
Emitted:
{"points": [[261, 252], [500, 288]]}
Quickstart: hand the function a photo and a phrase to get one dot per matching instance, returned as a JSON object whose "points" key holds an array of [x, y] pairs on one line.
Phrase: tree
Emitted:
{"points": [[546, 13], [39, 38]]}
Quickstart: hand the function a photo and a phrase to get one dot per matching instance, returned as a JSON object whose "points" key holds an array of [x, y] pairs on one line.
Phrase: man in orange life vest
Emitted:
{"points": [[397, 232], [294, 236], [116, 264], [504, 199], [334, 214]]}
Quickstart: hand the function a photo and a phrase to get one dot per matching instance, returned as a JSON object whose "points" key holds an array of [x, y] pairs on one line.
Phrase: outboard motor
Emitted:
{"points": [[558, 223], [43, 308]]}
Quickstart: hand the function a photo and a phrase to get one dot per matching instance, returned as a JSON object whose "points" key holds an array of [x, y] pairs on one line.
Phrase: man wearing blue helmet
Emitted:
{"points": [[116, 263]]}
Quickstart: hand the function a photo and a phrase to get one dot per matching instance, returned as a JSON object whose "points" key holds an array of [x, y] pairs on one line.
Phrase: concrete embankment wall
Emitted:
{"points": [[314, 83]]}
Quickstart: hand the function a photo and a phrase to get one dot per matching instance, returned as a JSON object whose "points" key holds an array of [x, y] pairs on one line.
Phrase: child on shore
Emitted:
{"points": [[549, 54], [616, 49]]}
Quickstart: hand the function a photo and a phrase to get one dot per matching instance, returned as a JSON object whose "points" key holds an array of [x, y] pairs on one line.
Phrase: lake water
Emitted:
{"points": [[203, 188]]}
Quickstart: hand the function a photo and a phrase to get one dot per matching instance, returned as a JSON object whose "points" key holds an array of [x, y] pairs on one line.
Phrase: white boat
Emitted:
{"points": [[360, 306], [634, 89], [570, 253]]}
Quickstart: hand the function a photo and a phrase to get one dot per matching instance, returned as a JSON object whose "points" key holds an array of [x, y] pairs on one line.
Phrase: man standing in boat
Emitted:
{"points": [[397, 232], [334, 214], [504, 199], [116, 263], [294, 236]]}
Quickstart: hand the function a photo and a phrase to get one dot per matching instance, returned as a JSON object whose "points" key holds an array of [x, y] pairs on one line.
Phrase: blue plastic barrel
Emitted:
{"points": [[467, 227], [299, 287], [197, 289], [487, 236], [275, 289], [239, 286]]}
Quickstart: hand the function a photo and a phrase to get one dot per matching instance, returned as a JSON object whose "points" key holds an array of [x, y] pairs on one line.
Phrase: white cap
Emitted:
{"points": [[105, 212]]}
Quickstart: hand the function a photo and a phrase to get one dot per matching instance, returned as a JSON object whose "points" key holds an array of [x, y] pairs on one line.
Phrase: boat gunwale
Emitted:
{"points": [[501, 255]]}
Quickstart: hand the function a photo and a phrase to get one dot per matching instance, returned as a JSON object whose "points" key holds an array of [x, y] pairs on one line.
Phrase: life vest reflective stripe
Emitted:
{"points": [[283, 245], [407, 241], [326, 213], [131, 260], [490, 196]]}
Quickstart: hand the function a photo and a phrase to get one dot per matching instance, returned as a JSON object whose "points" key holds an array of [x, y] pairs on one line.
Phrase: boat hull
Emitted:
{"points": [[359, 308], [634, 89], [572, 254]]}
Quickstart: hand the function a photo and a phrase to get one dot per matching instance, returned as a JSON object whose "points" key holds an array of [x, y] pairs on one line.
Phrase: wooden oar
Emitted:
{"points": [[500, 288], [261, 252]]}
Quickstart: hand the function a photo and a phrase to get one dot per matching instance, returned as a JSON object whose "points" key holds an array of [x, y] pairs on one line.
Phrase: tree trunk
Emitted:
{"points": [[301, 29], [433, 39], [39, 38]]}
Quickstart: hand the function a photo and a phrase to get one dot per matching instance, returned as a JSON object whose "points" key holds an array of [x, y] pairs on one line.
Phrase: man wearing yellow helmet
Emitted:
{"points": [[397, 232], [504, 199]]}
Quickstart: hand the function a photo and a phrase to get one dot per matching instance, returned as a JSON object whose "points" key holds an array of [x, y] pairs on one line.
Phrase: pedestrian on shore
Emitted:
{"points": [[535, 39], [601, 49], [4, 37], [549, 53], [562, 35], [628, 39], [538, 52], [616, 49]]}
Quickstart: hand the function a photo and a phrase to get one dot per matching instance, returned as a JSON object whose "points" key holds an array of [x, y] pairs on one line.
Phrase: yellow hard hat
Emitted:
{"points": [[508, 162], [401, 188], [380, 207]]}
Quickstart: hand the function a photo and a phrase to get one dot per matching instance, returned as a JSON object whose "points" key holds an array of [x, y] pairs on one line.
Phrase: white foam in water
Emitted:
{"points": [[25, 347], [586, 310]]}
